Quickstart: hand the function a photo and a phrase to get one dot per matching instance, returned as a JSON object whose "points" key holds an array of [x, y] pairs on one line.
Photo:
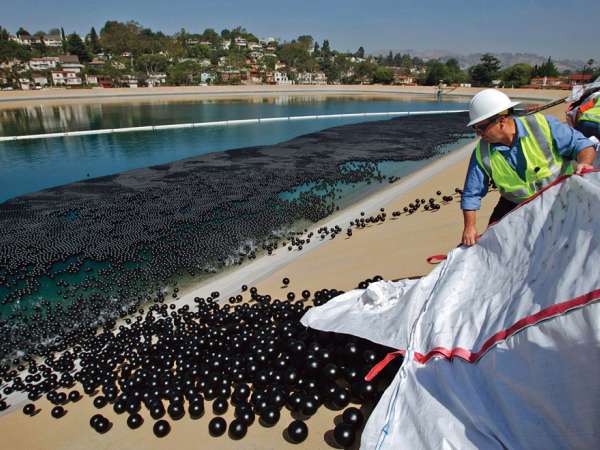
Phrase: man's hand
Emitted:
{"points": [[582, 167], [585, 159], [469, 236]]}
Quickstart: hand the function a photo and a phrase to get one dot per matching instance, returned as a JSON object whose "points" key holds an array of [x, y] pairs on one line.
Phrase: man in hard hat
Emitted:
{"points": [[520, 155], [584, 114]]}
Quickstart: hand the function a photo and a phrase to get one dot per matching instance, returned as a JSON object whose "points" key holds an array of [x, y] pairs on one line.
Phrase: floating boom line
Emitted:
{"points": [[219, 124]]}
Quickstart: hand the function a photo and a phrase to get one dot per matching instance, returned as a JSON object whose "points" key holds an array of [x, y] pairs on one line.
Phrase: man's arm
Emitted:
{"points": [[571, 144], [476, 187], [469, 236]]}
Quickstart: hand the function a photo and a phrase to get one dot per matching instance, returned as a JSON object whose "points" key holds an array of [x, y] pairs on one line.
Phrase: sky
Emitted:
{"points": [[561, 29]]}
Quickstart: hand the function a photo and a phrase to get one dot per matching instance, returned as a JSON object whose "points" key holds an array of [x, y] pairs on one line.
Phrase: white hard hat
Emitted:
{"points": [[488, 103]]}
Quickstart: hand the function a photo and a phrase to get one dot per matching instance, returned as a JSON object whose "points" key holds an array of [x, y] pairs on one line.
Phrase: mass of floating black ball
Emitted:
{"points": [[110, 245]]}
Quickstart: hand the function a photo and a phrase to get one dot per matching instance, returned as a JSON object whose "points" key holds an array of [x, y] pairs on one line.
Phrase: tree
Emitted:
{"points": [[389, 59], [4, 34], [75, 46], [589, 66], [360, 53], [547, 69], [316, 49], [306, 41], [22, 32], [383, 75], [183, 73], [295, 54], [436, 72], [454, 74], [325, 50], [151, 63], [94, 42], [210, 35], [517, 75], [63, 39], [489, 69], [365, 71], [10, 50]]}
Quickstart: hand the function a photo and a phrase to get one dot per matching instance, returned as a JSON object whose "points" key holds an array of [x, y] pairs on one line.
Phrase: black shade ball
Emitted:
{"points": [[74, 396], [297, 431], [176, 411], [353, 417], [217, 426], [237, 429], [161, 428], [269, 417], [135, 421], [196, 409], [157, 410], [100, 402], [101, 425], [94, 419], [220, 406], [29, 409], [57, 412], [344, 434], [119, 407]]}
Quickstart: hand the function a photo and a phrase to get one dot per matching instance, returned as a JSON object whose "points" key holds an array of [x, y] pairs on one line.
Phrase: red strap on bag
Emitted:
{"points": [[381, 364], [436, 259]]}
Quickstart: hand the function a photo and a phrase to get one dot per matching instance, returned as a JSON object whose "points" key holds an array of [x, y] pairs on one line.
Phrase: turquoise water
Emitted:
{"points": [[29, 166], [344, 194]]}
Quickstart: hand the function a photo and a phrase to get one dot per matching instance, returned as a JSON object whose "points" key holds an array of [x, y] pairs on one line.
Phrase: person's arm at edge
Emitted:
{"points": [[572, 144], [475, 187]]}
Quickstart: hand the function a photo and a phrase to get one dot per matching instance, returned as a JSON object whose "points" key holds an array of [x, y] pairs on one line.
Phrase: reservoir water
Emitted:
{"points": [[29, 166]]}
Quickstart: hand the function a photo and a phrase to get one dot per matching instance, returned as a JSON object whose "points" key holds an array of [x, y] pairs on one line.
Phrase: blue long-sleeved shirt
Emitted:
{"points": [[568, 142]]}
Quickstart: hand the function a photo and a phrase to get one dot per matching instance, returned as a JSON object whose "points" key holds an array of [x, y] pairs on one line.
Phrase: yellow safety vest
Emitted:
{"points": [[590, 114], [544, 163]]}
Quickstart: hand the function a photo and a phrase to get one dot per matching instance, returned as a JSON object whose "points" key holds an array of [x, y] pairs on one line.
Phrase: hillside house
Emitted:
{"points": [[579, 78], [52, 40], [240, 42], [64, 78], [129, 81], [91, 80], [156, 79], [39, 81], [25, 84], [45, 63], [316, 78]]}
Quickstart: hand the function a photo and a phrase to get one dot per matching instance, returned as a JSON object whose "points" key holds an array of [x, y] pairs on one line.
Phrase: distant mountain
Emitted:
{"points": [[507, 59]]}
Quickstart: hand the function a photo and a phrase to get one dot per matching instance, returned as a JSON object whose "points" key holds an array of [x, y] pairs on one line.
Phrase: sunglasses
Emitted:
{"points": [[482, 127]]}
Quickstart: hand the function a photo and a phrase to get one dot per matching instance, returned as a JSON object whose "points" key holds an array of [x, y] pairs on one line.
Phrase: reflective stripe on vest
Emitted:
{"points": [[591, 114], [543, 163]]}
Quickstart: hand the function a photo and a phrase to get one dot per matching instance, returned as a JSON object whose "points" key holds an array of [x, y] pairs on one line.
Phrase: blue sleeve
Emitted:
{"points": [[568, 141], [476, 186]]}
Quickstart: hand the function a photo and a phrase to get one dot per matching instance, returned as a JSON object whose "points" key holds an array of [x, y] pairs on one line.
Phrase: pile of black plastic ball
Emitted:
{"points": [[254, 357]]}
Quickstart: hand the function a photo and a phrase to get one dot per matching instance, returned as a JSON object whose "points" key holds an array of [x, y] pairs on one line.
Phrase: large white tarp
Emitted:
{"points": [[502, 339]]}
